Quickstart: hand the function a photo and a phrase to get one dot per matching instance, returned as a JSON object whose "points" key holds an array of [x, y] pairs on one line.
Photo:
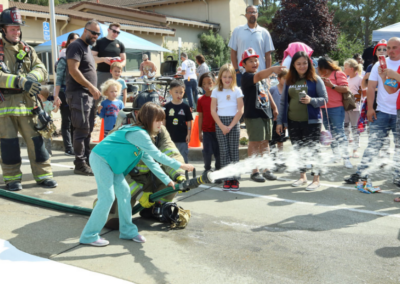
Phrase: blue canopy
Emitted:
{"points": [[132, 43]]}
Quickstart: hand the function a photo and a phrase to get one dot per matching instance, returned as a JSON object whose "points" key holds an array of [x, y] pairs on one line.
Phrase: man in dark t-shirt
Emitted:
{"points": [[81, 93], [105, 49]]}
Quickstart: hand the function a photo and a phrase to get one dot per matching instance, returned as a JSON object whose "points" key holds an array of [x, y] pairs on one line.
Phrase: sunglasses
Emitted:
{"points": [[252, 13], [93, 33], [381, 49], [116, 32]]}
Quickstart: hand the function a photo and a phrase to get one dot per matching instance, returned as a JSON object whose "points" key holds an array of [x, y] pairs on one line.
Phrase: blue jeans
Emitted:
{"points": [[339, 144], [239, 79], [378, 130], [183, 148], [109, 185], [191, 92], [151, 86]]}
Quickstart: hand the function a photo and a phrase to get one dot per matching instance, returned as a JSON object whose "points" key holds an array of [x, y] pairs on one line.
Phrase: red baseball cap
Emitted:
{"points": [[382, 42], [247, 54], [63, 44]]}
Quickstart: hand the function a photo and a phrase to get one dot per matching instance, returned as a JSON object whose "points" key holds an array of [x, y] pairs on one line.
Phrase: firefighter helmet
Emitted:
{"points": [[11, 17], [144, 97]]}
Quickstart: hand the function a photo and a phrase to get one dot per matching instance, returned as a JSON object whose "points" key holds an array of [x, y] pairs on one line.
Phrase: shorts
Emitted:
{"points": [[258, 129], [276, 138]]}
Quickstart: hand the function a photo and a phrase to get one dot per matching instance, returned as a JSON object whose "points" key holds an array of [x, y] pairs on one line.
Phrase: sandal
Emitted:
{"points": [[397, 199]]}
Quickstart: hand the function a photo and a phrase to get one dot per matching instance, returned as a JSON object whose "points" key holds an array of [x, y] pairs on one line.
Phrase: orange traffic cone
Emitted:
{"points": [[101, 136], [194, 137]]}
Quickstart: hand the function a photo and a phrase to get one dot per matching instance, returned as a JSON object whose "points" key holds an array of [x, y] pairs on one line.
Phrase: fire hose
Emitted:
{"points": [[184, 186]]}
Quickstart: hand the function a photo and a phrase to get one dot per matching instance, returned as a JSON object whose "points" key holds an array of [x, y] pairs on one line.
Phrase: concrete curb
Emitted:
{"points": [[195, 154]]}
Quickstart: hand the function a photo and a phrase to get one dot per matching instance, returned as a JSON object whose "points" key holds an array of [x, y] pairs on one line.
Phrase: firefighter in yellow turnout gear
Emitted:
{"points": [[21, 72], [140, 179]]}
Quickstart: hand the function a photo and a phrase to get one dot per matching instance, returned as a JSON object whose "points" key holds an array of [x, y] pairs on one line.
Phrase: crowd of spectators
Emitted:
{"points": [[305, 100]]}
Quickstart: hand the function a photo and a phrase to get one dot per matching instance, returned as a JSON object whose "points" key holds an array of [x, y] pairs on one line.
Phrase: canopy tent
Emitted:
{"points": [[386, 32], [132, 43]]}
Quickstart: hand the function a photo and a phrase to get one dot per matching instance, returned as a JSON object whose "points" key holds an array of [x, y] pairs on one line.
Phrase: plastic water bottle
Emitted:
{"points": [[360, 185], [369, 184]]}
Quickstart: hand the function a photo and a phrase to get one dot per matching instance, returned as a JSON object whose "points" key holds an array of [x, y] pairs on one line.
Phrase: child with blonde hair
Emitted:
{"points": [[227, 109], [116, 71], [110, 107], [353, 70]]}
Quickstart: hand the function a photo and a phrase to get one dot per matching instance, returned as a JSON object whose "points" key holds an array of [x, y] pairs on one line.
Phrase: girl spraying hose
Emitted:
{"points": [[114, 158]]}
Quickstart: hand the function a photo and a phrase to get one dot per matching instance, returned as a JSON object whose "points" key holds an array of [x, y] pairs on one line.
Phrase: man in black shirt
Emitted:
{"points": [[105, 49], [81, 93]]}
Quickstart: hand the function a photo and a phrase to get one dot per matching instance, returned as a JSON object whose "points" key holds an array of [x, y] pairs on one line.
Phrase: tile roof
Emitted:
{"points": [[132, 3], [81, 3], [73, 14]]}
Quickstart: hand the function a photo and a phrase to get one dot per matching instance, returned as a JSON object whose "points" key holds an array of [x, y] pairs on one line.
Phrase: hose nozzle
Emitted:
{"points": [[195, 182]]}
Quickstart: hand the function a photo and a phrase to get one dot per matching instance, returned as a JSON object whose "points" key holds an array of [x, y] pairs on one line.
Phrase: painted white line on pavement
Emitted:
{"points": [[343, 187], [305, 203], [56, 165]]}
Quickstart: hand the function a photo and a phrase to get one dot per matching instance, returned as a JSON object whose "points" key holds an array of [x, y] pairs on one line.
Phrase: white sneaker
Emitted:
{"points": [[99, 243], [299, 182], [139, 239], [313, 186], [347, 164]]}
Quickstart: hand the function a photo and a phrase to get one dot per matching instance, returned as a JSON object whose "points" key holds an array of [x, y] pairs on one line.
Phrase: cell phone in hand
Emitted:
{"points": [[382, 62], [302, 94]]}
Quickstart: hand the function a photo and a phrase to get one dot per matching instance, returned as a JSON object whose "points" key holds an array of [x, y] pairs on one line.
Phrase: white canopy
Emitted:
{"points": [[386, 32]]}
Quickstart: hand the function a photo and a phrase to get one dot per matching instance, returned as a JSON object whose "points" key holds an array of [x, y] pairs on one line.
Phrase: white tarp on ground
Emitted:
{"points": [[20, 267], [386, 32]]}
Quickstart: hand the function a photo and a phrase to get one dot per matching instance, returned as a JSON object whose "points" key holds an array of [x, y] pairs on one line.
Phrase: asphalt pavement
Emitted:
{"points": [[265, 233]]}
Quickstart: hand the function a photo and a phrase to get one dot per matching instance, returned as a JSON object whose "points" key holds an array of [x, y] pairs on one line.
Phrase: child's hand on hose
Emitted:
{"points": [[171, 184], [187, 167]]}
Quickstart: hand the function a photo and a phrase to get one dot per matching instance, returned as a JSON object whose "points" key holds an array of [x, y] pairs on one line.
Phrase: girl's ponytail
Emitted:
{"points": [[355, 65], [360, 69]]}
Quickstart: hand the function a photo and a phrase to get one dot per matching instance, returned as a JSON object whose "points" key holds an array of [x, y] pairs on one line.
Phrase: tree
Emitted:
{"points": [[214, 49], [308, 21], [212, 46], [358, 18], [266, 11], [346, 48]]}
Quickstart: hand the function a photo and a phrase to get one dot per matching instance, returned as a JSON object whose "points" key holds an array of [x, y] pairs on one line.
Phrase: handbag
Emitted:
{"points": [[326, 135], [349, 101]]}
